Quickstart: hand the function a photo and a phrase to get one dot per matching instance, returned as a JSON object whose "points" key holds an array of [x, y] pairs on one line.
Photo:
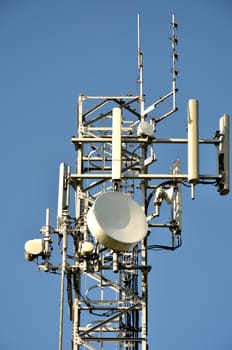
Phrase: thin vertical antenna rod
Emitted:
{"points": [[140, 69], [174, 40]]}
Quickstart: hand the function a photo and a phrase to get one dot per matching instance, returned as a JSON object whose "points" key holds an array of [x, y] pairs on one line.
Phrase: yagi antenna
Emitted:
{"points": [[140, 70], [175, 57], [175, 73]]}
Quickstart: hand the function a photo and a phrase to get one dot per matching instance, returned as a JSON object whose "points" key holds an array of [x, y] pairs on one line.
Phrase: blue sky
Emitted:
{"points": [[51, 51]]}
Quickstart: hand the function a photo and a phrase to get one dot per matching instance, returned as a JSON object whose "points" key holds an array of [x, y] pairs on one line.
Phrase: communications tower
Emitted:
{"points": [[108, 209]]}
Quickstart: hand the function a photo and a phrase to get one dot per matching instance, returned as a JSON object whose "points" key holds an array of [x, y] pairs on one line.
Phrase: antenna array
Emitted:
{"points": [[118, 197]]}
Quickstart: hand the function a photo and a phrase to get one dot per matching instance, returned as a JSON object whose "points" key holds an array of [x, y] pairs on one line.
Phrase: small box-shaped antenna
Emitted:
{"points": [[223, 155], [116, 144], [193, 145]]}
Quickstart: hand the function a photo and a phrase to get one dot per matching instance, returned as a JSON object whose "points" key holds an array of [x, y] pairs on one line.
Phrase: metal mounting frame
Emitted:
{"points": [[107, 290]]}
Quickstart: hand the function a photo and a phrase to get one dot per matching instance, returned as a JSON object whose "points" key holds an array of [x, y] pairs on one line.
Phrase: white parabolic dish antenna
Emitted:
{"points": [[117, 221]]}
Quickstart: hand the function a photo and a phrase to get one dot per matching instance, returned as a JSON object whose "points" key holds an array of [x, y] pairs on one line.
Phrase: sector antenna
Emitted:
{"points": [[110, 206]]}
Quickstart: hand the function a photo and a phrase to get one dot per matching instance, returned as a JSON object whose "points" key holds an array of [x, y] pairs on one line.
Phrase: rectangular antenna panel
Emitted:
{"points": [[193, 145], [62, 193], [116, 144], [224, 157]]}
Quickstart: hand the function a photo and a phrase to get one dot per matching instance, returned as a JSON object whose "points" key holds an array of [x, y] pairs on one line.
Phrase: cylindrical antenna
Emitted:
{"points": [[140, 69], [116, 144], [193, 145]]}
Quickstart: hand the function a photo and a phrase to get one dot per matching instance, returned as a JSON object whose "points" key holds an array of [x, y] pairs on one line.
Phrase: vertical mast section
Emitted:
{"points": [[143, 184], [107, 311]]}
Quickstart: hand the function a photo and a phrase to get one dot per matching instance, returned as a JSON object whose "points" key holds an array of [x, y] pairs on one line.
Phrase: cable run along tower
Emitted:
{"points": [[108, 209]]}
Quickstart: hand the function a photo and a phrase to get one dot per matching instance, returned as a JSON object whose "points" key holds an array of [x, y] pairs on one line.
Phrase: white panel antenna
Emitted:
{"points": [[223, 154], [116, 144], [193, 145], [63, 192]]}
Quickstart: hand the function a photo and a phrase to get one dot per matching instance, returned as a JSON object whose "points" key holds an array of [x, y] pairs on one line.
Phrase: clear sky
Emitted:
{"points": [[53, 50]]}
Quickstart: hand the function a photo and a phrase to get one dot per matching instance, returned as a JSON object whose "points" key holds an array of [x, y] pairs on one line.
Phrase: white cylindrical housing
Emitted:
{"points": [[117, 221], [47, 217], [193, 145], [116, 144]]}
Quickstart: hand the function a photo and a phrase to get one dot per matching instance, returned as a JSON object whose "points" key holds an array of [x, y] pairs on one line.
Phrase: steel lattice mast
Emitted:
{"points": [[104, 264]]}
